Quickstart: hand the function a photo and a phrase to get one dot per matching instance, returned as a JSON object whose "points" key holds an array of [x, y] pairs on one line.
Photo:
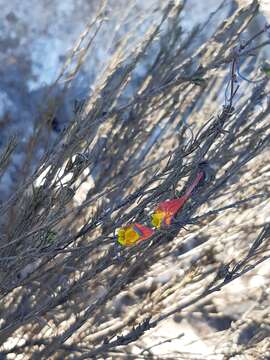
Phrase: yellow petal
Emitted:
{"points": [[121, 236], [131, 236], [157, 218], [127, 236]]}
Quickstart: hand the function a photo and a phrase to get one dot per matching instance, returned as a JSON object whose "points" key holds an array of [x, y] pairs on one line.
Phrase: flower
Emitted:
{"points": [[131, 234], [166, 210]]}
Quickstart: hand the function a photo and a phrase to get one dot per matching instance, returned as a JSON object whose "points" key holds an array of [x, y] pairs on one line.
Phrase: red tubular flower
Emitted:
{"points": [[166, 210], [132, 234]]}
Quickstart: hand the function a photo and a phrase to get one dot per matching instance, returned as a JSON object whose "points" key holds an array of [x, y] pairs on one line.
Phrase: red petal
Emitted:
{"points": [[144, 231]]}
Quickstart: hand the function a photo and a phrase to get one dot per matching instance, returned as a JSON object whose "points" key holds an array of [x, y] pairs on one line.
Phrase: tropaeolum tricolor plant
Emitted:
{"points": [[163, 215]]}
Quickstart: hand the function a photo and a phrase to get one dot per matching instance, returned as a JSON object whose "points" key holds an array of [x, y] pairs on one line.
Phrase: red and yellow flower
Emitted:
{"points": [[132, 234], [166, 210]]}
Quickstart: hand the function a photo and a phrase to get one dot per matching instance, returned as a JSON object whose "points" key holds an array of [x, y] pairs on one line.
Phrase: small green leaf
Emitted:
{"points": [[50, 237], [199, 81], [266, 69]]}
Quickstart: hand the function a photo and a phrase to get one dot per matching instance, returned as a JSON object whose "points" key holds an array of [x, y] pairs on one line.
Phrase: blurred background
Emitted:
{"points": [[36, 38]]}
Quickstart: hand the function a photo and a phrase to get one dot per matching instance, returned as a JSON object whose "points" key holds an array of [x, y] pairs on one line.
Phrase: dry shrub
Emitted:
{"points": [[68, 291]]}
